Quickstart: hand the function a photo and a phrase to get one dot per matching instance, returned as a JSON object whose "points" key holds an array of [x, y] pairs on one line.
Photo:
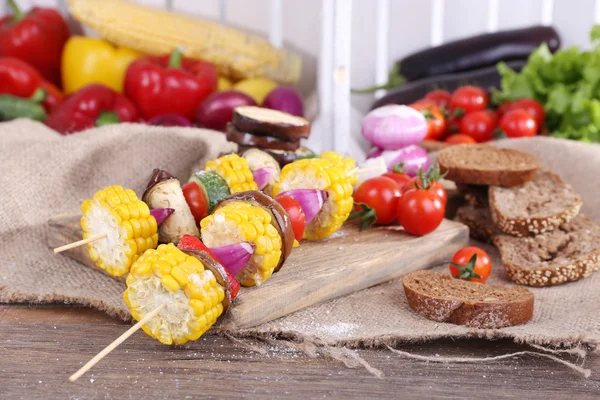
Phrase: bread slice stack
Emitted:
{"points": [[530, 213]]}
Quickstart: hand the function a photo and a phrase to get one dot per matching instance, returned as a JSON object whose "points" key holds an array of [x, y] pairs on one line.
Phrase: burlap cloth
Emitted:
{"points": [[44, 175]]}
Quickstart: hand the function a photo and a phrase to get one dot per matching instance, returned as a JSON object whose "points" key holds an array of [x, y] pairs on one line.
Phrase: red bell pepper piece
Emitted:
{"points": [[92, 105], [170, 84], [36, 37], [189, 242], [20, 79]]}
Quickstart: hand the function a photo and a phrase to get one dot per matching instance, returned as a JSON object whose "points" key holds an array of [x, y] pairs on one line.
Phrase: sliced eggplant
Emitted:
{"points": [[264, 121], [158, 175], [233, 134], [258, 159], [218, 271], [280, 218], [284, 157], [168, 194]]}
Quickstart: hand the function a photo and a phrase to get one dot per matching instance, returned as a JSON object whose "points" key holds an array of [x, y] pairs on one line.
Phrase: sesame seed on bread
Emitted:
{"points": [[481, 164], [439, 297], [538, 206]]}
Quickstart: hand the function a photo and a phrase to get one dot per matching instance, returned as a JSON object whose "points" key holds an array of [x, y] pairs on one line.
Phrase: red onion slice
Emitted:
{"points": [[311, 201], [234, 257], [412, 158], [262, 176], [160, 214]]}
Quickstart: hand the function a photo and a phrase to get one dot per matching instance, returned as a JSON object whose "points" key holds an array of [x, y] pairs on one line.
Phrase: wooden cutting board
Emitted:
{"points": [[347, 262]]}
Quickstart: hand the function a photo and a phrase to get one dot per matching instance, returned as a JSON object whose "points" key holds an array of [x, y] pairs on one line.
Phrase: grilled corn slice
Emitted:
{"points": [[235, 171], [348, 164], [240, 221], [193, 297], [126, 221], [321, 174]]}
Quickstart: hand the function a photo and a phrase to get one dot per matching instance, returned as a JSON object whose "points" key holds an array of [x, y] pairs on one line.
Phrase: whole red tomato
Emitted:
{"points": [[479, 125], [469, 99], [460, 138], [420, 211], [471, 264], [436, 123], [441, 98], [533, 107], [376, 200], [398, 175], [518, 123], [296, 214], [434, 185]]}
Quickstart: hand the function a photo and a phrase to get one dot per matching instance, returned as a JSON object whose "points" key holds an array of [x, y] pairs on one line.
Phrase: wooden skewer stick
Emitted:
{"points": [[80, 242], [117, 342], [365, 169]]}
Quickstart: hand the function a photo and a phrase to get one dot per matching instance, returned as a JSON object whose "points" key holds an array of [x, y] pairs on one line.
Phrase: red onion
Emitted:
{"points": [[170, 120], [234, 257], [262, 176], [160, 214], [374, 152], [393, 127], [286, 99], [311, 201], [412, 157]]}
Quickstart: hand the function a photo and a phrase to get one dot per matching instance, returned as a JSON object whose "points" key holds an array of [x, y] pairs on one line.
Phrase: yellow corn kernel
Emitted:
{"points": [[235, 171]]}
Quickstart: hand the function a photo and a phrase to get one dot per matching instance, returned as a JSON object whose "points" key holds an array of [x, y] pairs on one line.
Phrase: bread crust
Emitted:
{"points": [[476, 173], [474, 314], [533, 225]]}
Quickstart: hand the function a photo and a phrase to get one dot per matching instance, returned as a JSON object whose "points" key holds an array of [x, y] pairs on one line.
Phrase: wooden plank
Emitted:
{"points": [[41, 347], [319, 271]]}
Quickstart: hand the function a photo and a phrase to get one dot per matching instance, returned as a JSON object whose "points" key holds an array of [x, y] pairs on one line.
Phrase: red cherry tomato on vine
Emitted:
{"points": [[460, 138], [479, 125], [196, 200], [420, 211], [398, 176], [465, 266], [518, 123], [533, 107], [436, 123], [469, 99], [434, 186], [296, 214], [440, 97], [380, 195]]}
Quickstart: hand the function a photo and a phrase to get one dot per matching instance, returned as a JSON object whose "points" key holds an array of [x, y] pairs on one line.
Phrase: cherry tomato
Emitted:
{"points": [[479, 125], [533, 107], [436, 123], [460, 138], [420, 211], [296, 215], [435, 186], [518, 123], [463, 266], [380, 195], [469, 99], [440, 97], [196, 200], [398, 176], [453, 125]]}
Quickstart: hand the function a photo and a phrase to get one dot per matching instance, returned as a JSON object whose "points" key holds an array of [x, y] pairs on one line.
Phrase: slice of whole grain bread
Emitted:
{"points": [[475, 195], [479, 221], [566, 254], [440, 297], [480, 164], [538, 206]]}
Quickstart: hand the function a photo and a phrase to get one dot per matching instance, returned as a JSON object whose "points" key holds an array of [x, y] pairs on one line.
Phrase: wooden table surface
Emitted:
{"points": [[42, 347]]}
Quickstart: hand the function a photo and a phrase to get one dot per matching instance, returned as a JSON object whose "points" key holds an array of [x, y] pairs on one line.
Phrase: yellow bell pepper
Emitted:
{"points": [[223, 84], [88, 60], [257, 88]]}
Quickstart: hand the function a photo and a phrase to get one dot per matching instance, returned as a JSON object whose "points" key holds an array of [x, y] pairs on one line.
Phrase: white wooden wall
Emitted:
{"points": [[411, 25]]}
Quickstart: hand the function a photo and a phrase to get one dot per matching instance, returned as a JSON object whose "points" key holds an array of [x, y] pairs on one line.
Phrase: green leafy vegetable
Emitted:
{"points": [[566, 82]]}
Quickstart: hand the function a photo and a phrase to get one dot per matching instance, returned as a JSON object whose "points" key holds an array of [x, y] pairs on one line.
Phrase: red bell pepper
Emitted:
{"points": [[36, 37], [93, 105], [20, 79], [170, 84]]}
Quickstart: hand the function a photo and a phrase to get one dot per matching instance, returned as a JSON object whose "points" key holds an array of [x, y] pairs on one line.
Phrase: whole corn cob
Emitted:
{"points": [[235, 171], [126, 221], [348, 164], [236, 54], [239, 221], [193, 297], [321, 174]]}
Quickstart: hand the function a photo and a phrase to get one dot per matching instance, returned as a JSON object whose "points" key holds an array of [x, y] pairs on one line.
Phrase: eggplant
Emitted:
{"points": [[477, 52], [485, 77]]}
